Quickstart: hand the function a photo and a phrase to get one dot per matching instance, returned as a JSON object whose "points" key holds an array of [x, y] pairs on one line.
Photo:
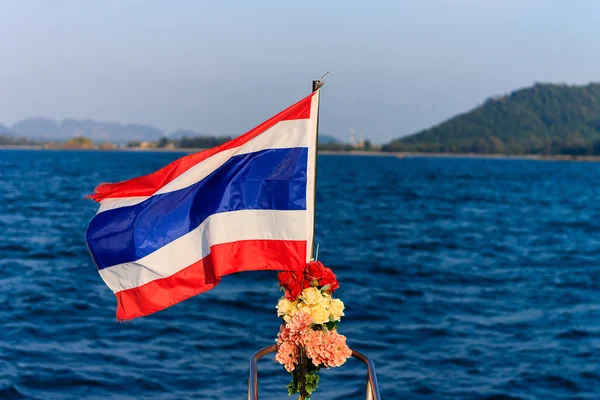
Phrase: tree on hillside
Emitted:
{"points": [[163, 142], [79, 142], [543, 119]]}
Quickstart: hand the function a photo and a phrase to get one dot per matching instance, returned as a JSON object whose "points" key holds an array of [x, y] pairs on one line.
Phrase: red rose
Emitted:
{"points": [[315, 274], [287, 277], [329, 278], [314, 271], [293, 293], [292, 283], [307, 283]]}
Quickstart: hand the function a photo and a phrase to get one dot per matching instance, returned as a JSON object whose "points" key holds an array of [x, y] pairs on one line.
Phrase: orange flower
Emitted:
{"points": [[327, 348], [287, 354]]}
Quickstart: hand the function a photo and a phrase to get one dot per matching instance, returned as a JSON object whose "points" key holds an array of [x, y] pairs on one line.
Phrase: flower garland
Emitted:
{"points": [[308, 339]]}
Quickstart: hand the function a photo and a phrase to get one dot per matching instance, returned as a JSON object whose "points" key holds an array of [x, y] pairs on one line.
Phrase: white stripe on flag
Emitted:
{"points": [[284, 134], [217, 229]]}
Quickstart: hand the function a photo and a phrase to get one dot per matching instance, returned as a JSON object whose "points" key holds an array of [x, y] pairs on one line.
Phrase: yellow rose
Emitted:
{"points": [[305, 308], [293, 308], [319, 315], [336, 309], [281, 306], [311, 296], [325, 301], [291, 312], [286, 307]]}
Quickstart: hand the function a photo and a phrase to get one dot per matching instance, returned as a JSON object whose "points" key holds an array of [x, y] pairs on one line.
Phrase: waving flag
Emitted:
{"points": [[245, 205]]}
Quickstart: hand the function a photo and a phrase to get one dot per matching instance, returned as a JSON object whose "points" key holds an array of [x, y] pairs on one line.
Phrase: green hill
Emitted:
{"points": [[543, 119]]}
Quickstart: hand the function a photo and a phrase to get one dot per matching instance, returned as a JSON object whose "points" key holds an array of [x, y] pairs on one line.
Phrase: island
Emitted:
{"points": [[545, 119]]}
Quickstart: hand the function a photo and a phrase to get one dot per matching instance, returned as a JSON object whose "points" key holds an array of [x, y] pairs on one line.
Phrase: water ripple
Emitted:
{"points": [[463, 279]]}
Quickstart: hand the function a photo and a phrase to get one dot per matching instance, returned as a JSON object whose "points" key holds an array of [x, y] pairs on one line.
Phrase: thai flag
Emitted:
{"points": [[245, 205]]}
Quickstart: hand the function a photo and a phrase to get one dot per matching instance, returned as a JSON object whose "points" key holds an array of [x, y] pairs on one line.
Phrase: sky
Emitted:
{"points": [[222, 67]]}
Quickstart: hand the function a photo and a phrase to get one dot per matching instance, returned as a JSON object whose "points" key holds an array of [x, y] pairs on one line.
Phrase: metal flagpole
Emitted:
{"points": [[316, 85]]}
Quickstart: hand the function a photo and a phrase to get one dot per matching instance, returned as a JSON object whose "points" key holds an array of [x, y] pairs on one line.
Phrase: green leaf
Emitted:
{"points": [[312, 382], [292, 387], [324, 288], [331, 325]]}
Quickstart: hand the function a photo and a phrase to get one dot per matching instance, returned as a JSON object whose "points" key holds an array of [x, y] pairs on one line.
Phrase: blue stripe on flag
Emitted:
{"points": [[273, 179]]}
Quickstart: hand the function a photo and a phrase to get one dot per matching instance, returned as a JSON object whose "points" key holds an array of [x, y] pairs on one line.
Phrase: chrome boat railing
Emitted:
{"points": [[372, 385]]}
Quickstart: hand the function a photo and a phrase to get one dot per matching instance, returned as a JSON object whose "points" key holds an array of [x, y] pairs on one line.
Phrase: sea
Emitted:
{"points": [[463, 278]]}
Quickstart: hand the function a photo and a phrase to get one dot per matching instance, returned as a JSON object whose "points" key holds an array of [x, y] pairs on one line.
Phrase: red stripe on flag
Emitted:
{"points": [[147, 185], [205, 274]]}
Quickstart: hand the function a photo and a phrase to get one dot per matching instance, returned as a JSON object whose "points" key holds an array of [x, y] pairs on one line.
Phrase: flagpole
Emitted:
{"points": [[316, 85]]}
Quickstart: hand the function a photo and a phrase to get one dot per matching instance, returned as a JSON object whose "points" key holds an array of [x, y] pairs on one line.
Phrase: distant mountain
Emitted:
{"points": [[542, 119], [181, 133], [46, 129], [49, 129], [36, 128], [5, 130]]}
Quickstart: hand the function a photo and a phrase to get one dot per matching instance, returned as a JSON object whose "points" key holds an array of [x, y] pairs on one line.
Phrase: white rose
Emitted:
{"points": [[336, 309], [311, 296]]}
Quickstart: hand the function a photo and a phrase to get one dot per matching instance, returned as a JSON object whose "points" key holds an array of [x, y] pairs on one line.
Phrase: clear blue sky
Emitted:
{"points": [[223, 66]]}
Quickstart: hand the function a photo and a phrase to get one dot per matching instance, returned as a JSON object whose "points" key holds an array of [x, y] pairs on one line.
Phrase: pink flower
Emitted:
{"points": [[328, 349], [299, 322], [284, 335], [295, 330], [290, 336], [287, 354]]}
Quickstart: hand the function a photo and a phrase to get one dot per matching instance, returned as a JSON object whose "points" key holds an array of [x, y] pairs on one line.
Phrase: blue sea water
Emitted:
{"points": [[462, 278]]}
